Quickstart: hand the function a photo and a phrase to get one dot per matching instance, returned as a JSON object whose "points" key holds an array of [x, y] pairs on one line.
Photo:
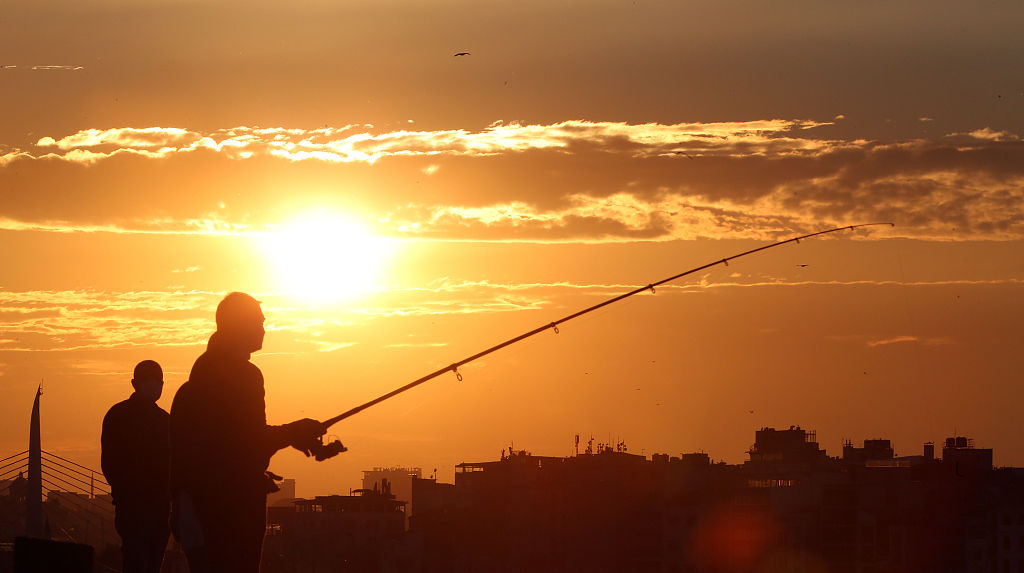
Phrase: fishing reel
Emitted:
{"points": [[322, 451], [307, 436]]}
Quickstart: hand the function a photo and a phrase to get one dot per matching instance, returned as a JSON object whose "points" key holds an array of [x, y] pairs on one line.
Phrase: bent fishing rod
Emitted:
{"points": [[454, 367]]}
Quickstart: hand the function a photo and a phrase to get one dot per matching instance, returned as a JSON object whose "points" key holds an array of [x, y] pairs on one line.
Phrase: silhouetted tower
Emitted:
{"points": [[34, 526]]}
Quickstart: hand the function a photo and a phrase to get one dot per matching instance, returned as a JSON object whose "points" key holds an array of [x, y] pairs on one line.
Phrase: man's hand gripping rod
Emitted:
{"points": [[454, 367]]}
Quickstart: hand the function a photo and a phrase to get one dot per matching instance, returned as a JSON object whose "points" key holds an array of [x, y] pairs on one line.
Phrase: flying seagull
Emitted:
{"points": [[802, 265], [461, 54]]}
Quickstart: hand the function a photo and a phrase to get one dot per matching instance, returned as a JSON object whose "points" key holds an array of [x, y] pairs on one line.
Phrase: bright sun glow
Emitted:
{"points": [[326, 257]]}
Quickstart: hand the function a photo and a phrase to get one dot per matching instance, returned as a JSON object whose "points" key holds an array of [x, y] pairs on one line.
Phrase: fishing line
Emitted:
{"points": [[553, 325]]}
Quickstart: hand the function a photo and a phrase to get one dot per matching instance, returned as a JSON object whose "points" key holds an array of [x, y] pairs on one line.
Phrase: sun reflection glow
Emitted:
{"points": [[325, 256]]}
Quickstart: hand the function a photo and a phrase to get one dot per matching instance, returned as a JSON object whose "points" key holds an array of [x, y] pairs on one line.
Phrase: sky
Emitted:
{"points": [[398, 208]]}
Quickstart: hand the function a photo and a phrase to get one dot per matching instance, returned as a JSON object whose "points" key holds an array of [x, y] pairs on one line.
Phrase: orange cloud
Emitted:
{"points": [[207, 226], [44, 68], [14, 155], [345, 145], [76, 320], [571, 181], [88, 320], [125, 137], [902, 339]]}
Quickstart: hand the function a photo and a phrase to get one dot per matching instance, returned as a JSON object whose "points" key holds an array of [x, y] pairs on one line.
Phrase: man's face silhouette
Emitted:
{"points": [[148, 381], [252, 331], [240, 320], [246, 328]]}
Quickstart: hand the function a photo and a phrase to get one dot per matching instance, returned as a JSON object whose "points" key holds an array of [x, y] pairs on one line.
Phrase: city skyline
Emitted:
{"points": [[590, 445], [788, 504]]}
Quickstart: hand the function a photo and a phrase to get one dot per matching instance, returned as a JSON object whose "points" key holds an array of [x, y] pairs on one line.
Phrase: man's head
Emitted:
{"points": [[240, 319], [148, 380]]}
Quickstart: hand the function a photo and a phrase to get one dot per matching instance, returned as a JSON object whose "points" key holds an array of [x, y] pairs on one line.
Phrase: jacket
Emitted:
{"points": [[220, 441], [134, 454]]}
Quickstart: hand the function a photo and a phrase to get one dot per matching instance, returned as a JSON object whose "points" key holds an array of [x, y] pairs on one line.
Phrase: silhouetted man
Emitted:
{"points": [[221, 446], [134, 459]]}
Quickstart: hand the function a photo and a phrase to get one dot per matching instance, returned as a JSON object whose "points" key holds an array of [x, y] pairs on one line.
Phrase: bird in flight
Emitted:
{"points": [[461, 54], [803, 265]]}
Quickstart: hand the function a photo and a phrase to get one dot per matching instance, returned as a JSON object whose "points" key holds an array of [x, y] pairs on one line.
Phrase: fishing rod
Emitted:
{"points": [[454, 367]]}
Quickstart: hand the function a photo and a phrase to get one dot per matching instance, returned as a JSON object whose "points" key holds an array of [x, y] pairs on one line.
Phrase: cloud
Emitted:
{"points": [[88, 320], [907, 339], [76, 320], [44, 68], [93, 319], [620, 217], [13, 155], [570, 181], [417, 345], [126, 137], [101, 367], [988, 134], [208, 226], [347, 144], [332, 346], [57, 68], [68, 321]]}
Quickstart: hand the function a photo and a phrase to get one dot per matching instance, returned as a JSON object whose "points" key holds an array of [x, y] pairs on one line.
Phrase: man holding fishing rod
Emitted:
{"points": [[221, 446]]}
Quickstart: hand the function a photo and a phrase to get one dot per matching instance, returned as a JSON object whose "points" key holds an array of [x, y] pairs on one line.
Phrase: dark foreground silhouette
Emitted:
{"points": [[32, 555], [221, 447], [135, 462]]}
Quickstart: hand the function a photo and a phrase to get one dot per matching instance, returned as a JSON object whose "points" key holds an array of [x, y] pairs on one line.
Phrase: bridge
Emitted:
{"points": [[76, 507]]}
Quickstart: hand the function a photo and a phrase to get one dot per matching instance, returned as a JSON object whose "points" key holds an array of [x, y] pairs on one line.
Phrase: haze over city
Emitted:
{"points": [[398, 208]]}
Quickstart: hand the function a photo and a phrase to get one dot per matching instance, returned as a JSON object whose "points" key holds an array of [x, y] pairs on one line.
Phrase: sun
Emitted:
{"points": [[326, 256]]}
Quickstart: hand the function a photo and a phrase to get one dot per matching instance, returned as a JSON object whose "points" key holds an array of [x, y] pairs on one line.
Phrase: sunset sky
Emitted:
{"points": [[397, 208]]}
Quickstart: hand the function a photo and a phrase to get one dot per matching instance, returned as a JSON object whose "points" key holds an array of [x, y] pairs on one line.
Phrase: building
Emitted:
{"points": [[285, 495], [790, 507], [335, 533], [398, 479], [873, 450]]}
